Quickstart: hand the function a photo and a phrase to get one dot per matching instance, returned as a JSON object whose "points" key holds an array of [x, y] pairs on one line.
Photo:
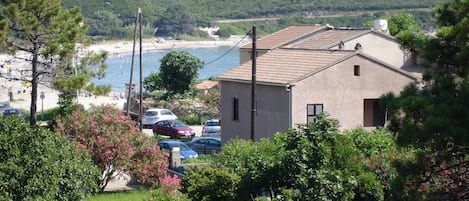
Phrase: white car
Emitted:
{"points": [[211, 127], [151, 116]]}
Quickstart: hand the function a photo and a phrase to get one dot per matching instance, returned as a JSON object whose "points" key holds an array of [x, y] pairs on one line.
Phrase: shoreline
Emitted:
{"points": [[22, 93]]}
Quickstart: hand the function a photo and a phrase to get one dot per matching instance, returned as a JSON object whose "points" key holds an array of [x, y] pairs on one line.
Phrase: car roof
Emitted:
{"points": [[213, 120], [156, 109], [171, 142], [205, 138]]}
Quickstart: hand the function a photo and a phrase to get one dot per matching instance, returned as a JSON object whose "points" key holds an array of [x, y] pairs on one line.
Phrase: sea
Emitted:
{"points": [[217, 60]]}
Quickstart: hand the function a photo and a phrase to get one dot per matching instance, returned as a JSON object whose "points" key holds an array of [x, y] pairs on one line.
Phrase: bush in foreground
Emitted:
{"points": [[39, 165]]}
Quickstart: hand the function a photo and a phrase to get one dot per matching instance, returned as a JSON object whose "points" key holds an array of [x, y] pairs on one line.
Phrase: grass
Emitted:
{"points": [[132, 195]]}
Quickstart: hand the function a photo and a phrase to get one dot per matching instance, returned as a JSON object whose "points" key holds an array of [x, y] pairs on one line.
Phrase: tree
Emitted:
{"points": [[115, 146], [433, 117], [103, 23], [402, 22], [74, 77], [176, 20], [45, 31], [152, 82], [178, 71], [39, 165]]}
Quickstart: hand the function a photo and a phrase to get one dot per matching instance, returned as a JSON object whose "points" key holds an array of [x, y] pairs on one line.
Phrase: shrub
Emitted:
{"points": [[115, 146], [39, 165], [209, 184]]}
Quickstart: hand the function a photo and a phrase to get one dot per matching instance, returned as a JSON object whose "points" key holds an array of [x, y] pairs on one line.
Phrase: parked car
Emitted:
{"points": [[3, 106], [186, 152], [205, 145], [151, 116], [12, 112], [173, 128], [211, 127]]}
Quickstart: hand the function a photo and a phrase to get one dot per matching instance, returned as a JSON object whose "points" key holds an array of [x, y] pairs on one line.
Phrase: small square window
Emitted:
{"points": [[312, 110], [356, 70]]}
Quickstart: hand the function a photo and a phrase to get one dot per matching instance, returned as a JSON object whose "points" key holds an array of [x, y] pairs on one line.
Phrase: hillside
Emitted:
{"points": [[174, 17]]}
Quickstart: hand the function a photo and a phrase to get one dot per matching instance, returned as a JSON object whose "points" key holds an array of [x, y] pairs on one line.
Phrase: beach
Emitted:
{"points": [[14, 68]]}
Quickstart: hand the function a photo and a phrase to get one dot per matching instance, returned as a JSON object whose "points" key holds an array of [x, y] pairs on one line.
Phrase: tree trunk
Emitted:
{"points": [[34, 85]]}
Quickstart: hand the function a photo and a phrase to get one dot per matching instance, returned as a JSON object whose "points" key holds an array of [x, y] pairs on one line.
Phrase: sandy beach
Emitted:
{"points": [[22, 93]]}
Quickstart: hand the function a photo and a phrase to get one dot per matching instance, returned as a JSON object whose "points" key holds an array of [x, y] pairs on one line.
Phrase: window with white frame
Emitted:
{"points": [[312, 110]]}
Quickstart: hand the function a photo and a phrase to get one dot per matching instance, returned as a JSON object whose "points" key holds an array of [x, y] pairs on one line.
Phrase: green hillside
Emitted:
{"points": [[104, 16]]}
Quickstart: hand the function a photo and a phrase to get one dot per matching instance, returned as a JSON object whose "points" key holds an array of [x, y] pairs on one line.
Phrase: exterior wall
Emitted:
{"points": [[379, 47], [342, 93], [272, 110], [245, 54]]}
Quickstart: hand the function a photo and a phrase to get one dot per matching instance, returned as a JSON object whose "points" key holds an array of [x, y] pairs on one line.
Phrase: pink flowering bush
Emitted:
{"points": [[114, 143], [149, 164]]}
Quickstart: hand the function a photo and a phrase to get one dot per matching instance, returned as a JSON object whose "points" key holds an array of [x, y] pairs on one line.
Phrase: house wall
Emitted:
{"points": [[342, 93], [272, 110], [382, 48]]}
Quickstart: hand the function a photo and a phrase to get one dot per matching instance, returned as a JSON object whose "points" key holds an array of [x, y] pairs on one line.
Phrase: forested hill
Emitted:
{"points": [[238, 9], [205, 12]]}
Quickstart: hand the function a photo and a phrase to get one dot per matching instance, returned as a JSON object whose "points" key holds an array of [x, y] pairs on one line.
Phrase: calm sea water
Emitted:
{"points": [[217, 60]]}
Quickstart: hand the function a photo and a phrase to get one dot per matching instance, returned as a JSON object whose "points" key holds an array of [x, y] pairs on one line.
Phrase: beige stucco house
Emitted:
{"points": [[308, 69]]}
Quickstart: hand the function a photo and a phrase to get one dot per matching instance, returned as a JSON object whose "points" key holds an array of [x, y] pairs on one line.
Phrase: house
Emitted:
{"points": [[206, 86], [319, 69]]}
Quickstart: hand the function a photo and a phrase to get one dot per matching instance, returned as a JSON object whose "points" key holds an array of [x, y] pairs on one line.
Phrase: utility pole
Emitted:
{"points": [[141, 74], [253, 86], [132, 65]]}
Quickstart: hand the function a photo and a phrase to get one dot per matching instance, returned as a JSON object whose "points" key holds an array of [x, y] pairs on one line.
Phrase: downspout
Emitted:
{"points": [[288, 88]]}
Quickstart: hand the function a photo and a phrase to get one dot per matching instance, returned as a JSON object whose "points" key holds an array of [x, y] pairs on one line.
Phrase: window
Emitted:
{"points": [[356, 70], [312, 111], [235, 109]]}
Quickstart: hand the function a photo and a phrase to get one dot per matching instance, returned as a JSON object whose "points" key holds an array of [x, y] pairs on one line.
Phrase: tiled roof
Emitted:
{"points": [[206, 84], [284, 36], [283, 66], [329, 38]]}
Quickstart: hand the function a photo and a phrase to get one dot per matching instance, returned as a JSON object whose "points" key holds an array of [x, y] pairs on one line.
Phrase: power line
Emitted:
{"points": [[228, 51]]}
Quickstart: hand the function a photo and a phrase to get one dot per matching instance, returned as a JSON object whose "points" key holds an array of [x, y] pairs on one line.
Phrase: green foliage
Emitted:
{"points": [[139, 194], [211, 184], [45, 31], [433, 117], [402, 22], [103, 22], [39, 165], [178, 71], [190, 120], [159, 194], [152, 82]]}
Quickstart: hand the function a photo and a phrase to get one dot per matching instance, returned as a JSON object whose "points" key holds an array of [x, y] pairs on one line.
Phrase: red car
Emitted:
{"points": [[173, 128]]}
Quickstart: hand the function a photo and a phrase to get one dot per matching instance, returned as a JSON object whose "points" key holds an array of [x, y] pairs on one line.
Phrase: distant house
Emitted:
{"points": [[206, 86], [306, 70]]}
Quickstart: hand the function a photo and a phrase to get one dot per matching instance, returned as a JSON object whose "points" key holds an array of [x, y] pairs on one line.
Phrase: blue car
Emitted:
{"points": [[205, 145], [186, 152], [12, 112]]}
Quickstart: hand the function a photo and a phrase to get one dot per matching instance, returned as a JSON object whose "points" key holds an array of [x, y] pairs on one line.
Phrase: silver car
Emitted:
{"points": [[151, 116], [212, 127]]}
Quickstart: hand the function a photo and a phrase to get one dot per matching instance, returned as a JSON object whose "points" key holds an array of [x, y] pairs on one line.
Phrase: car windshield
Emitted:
{"points": [[151, 113], [213, 123], [178, 124]]}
